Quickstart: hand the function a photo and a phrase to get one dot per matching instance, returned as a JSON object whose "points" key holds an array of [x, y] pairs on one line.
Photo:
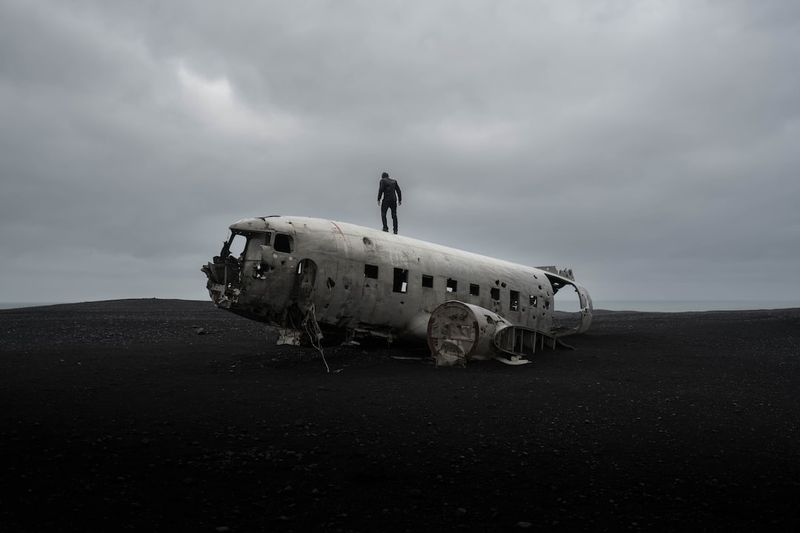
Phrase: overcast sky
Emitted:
{"points": [[654, 147]]}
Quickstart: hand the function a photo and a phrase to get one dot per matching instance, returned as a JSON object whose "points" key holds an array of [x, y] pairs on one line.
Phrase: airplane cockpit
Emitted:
{"points": [[253, 263]]}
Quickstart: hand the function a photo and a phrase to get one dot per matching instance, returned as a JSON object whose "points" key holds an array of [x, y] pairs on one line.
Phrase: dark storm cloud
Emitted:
{"points": [[650, 145]]}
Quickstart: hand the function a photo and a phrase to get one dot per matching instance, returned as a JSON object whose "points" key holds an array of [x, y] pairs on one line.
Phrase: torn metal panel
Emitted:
{"points": [[563, 272]]}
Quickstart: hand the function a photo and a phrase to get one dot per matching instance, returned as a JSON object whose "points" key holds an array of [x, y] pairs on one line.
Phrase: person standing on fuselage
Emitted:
{"points": [[392, 197]]}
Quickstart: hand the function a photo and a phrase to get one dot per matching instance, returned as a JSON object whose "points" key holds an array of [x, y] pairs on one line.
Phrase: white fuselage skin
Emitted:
{"points": [[348, 274]]}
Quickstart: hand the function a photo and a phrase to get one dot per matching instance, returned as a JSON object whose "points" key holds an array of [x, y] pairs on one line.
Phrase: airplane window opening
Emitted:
{"points": [[514, 301], [371, 271], [427, 281], [283, 243], [400, 280], [267, 238], [474, 290], [532, 300], [495, 294], [452, 285]]}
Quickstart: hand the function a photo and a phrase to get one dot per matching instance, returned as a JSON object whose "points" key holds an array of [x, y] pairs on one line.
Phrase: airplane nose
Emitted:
{"points": [[215, 286], [223, 280]]}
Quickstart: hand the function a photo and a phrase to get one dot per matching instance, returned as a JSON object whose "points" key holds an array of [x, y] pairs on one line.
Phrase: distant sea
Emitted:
{"points": [[677, 306], [666, 306]]}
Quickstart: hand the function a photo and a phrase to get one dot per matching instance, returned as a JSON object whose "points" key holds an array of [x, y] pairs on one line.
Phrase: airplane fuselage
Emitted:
{"points": [[360, 279]]}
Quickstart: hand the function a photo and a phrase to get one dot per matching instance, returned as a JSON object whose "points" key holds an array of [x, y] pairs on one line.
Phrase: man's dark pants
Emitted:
{"points": [[393, 207]]}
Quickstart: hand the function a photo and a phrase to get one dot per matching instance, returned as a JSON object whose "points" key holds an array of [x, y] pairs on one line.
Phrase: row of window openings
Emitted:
{"points": [[400, 284], [285, 243]]}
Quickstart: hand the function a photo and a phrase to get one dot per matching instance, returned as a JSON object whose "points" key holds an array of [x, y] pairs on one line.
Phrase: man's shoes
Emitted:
{"points": [[395, 232], [386, 230]]}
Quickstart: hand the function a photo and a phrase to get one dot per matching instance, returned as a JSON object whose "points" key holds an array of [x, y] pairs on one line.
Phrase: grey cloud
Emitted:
{"points": [[651, 145]]}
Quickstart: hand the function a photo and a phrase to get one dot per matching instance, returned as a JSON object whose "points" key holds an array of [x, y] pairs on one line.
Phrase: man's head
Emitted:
{"points": [[385, 175]]}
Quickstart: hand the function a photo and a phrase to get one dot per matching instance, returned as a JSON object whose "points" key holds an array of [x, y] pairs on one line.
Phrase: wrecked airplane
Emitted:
{"points": [[312, 278]]}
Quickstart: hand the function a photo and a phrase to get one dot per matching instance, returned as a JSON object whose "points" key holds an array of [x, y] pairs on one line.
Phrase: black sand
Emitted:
{"points": [[119, 415]]}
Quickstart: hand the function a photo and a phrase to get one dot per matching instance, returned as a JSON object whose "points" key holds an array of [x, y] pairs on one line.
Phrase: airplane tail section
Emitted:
{"points": [[561, 277]]}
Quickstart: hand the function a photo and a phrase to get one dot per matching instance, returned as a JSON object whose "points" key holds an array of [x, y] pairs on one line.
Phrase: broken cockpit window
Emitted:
{"points": [[227, 266], [427, 281], [234, 246], [474, 289], [452, 285], [495, 294]]}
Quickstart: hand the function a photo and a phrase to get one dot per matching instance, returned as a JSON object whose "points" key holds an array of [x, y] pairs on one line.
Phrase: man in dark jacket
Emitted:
{"points": [[390, 191]]}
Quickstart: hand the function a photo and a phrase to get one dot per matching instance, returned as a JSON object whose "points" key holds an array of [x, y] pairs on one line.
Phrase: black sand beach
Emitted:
{"points": [[119, 415]]}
